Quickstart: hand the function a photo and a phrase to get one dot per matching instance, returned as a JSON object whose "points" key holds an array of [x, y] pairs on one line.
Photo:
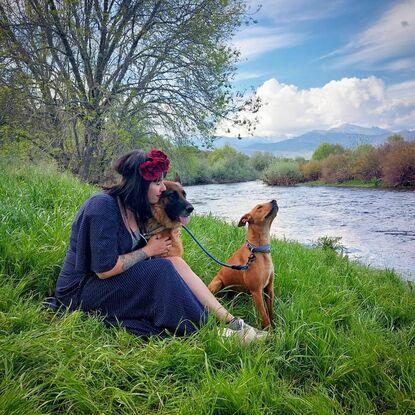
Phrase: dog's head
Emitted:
{"points": [[261, 215], [172, 209]]}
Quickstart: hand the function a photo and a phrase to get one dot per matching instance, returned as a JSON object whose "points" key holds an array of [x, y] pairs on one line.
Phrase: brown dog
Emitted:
{"points": [[169, 214], [259, 277]]}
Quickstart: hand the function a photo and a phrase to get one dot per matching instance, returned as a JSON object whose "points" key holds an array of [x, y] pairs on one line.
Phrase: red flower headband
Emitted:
{"points": [[156, 165]]}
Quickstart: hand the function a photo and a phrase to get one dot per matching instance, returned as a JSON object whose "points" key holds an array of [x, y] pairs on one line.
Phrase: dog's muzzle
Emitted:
{"points": [[274, 208]]}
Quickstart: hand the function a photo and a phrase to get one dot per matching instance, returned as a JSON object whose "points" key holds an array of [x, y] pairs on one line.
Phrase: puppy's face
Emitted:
{"points": [[261, 215], [173, 202]]}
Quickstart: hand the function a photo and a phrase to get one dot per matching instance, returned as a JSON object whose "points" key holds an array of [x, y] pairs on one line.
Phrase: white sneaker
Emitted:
{"points": [[246, 333]]}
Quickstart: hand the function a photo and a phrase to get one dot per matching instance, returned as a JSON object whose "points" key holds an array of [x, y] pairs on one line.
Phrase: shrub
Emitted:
{"points": [[336, 168], [282, 173], [311, 170], [330, 243], [368, 164], [324, 150], [395, 138], [260, 160], [191, 163], [398, 163], [228, 165]]}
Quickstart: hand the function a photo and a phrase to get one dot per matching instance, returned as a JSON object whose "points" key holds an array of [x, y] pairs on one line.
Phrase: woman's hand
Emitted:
{"points": [[157, 246]]}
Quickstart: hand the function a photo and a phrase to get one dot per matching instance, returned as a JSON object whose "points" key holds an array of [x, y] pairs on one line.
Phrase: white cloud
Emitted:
{"points": [[246, 75], [279, 24], [400, 65], [391, 37], [289, 111], [256, 40], [294, 11]]}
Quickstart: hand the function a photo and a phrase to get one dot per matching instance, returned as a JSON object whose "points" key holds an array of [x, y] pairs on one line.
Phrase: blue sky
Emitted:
{"points": [[353, 59]]}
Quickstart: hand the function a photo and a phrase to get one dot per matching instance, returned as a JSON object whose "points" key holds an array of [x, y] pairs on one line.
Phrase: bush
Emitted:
{"points": [[228, 165], [395, 138], [191, 164], [336, 169], [311, 170], [368, 164], [398, 164], [282, 173], [260, 160], [324, 150]]}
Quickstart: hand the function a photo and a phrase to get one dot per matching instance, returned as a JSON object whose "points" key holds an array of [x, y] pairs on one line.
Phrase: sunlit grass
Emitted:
{"points": [[344, 340]]}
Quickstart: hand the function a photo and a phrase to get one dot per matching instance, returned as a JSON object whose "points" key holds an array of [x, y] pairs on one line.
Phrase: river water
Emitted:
{"points": [[377, 227]]}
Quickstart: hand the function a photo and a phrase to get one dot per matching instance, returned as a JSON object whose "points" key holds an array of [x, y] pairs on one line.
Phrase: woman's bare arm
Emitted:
{"points": [[155, 247], [125, 262]]}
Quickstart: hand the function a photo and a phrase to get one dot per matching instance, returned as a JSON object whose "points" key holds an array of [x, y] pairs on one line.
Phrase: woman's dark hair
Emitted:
{"points": [[132, 189]]}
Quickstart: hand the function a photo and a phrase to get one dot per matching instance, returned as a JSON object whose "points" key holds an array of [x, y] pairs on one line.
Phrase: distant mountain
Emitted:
{"points": [[347, 135], [356, 129]]}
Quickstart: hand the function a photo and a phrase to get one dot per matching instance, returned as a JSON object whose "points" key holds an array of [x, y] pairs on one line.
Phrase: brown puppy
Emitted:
{"points": [[259, 277], [169, 214]]}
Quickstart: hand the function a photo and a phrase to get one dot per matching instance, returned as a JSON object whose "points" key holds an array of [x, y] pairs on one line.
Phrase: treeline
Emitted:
{"points": [[390, 165], [222, 165]]}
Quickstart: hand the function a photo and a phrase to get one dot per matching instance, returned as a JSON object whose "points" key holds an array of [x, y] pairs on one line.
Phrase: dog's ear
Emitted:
{"points": [[245, 218], [177, 178]]}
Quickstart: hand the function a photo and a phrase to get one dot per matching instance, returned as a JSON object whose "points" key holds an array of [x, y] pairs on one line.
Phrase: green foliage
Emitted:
{"points": [[191, 164], [324, 150], [395, 138], [343, 341], [99, 71], [228, 165], [260, 160], [282, 172]]}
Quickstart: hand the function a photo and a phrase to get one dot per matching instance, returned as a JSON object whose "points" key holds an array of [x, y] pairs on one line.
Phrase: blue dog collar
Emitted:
{"points": [[263, 249]]}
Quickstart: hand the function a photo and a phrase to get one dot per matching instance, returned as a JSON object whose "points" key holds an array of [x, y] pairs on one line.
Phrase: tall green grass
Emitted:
{"points": [[344, 340]]}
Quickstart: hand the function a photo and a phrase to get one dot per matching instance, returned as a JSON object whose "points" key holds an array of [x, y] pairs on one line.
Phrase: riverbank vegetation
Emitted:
{"points": [[390, 165], [343, 343]]}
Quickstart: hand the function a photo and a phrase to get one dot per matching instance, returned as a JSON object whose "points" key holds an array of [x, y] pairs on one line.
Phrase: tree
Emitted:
{"points": [[164, 62], [260, 160], [324, 150], [395, 138]]}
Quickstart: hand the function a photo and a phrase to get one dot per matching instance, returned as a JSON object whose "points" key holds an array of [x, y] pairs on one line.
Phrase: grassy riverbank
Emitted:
{"points": [[344, 340], [375, 184], [350, 183]]}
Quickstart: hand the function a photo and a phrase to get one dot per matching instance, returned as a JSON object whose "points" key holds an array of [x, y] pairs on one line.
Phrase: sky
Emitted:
{"points": [[317, 64]]}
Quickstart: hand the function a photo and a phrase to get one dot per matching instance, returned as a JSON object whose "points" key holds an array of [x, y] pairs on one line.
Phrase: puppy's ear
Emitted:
{"points": [[177, 178], [245, 218]]}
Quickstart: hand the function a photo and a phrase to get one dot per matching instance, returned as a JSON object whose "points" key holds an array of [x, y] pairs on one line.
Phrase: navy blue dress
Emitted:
{"points": [[146, 299]]}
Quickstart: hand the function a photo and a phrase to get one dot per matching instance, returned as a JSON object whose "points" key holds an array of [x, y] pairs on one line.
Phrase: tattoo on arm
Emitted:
{"points": [[128, 260]]}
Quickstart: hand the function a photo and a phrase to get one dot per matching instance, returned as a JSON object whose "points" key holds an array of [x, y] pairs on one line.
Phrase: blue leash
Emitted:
{"points": [[251, 257]]}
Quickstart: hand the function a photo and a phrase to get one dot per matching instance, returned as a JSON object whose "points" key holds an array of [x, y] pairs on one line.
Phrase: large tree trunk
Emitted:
{"points": [[88, 170]]}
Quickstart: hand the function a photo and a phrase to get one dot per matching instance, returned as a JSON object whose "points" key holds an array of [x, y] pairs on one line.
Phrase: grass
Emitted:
{"points": [[373, 184], [344, 340]]}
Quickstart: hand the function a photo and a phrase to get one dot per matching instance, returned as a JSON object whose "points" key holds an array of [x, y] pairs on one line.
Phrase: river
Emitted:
{"points": [[377, 227]]}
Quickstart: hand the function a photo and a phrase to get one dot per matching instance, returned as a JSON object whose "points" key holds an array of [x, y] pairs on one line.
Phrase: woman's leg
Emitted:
{"points": [[200, 290]]}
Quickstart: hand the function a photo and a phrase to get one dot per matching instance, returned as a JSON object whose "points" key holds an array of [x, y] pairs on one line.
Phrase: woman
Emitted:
{"points": [[111, 269]]}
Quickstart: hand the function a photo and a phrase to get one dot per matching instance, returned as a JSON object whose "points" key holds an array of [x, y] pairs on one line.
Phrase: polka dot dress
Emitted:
{"points": [[146, 299]]}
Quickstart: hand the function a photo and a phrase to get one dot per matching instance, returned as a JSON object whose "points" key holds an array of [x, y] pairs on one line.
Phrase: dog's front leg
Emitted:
{"points": [[259, 302], [269, 292], [215, 285]]}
